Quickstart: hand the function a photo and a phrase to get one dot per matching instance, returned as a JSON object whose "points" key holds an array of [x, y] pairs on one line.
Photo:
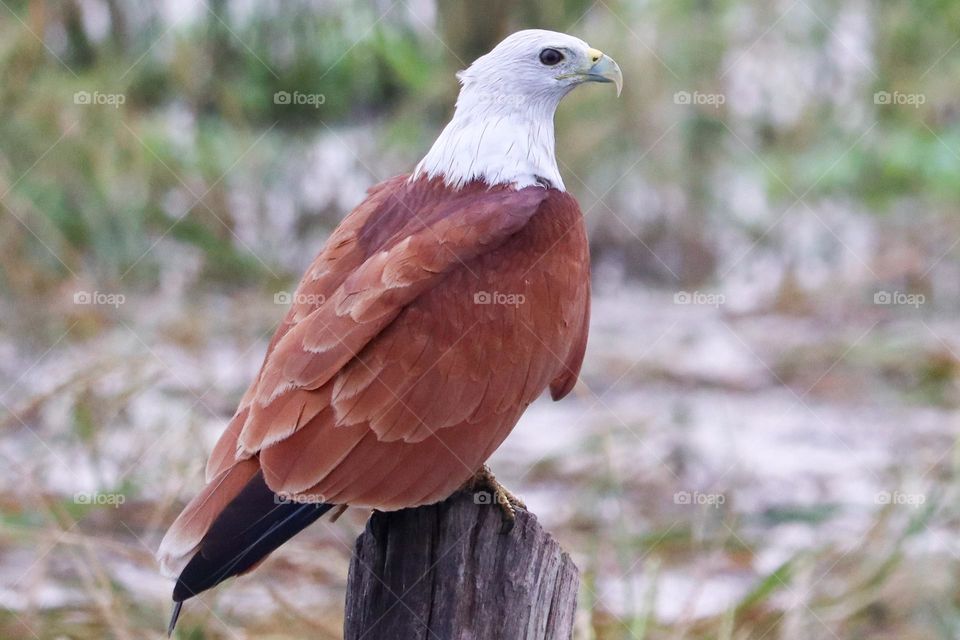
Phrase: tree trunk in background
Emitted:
{"points": [[445, 571], [472, 28], [83, 52], [704, 56]]}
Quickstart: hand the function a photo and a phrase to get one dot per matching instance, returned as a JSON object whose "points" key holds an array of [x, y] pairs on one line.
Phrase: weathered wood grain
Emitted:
{"points": [[446, 572]]}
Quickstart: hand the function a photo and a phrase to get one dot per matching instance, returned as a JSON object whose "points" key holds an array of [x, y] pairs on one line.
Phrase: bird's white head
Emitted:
{"points": [[502, 129]]}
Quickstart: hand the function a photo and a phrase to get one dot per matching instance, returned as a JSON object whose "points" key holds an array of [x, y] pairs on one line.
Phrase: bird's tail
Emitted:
{"points": [[244, 532]]}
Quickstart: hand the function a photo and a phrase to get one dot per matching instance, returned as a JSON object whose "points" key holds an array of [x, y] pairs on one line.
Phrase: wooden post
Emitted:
{"points": [[445, 572]]}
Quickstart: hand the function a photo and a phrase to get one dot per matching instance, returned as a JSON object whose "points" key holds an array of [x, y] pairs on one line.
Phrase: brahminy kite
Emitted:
{"points": [[438, 310]]}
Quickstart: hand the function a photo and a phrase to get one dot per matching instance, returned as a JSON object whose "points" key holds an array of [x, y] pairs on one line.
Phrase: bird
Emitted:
{"points": [[437, 311]]}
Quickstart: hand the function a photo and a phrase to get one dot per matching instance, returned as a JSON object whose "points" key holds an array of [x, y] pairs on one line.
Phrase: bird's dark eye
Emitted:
{"points": [[551, 57]]}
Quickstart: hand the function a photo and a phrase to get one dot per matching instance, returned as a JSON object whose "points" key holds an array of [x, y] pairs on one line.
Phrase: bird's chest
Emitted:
{"points": [[547, 262], [508, 320], [532, 291]]}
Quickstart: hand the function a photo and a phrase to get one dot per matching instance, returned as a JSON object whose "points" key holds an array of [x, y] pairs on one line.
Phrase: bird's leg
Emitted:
{"points": [[487, 490]]}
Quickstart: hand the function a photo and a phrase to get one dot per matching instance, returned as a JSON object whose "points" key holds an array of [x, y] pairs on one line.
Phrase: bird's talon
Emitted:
{"points": [[508, 511], [488, 491]]}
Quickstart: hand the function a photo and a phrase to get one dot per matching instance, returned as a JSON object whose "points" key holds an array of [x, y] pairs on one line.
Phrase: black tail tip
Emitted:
{"points": [[174, 617]]}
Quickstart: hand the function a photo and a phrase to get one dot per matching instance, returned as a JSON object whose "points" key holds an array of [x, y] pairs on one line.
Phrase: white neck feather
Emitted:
{"points": [[498, 138]]}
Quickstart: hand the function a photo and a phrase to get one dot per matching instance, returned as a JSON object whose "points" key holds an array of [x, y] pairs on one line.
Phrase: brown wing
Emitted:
{"points": [[342, 254], [440, 236], [427, 400], [395, 245], [393, 378]]}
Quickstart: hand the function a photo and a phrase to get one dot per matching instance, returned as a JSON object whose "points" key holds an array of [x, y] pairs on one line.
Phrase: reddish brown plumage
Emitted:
{"points": [[393, 378]]}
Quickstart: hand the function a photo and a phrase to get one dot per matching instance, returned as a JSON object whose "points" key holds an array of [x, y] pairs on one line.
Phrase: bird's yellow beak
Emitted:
{"points": [[603, 69]]}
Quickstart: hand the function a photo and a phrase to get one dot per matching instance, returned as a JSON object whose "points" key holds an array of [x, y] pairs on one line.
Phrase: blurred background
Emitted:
{"points": [[763, 444]]}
